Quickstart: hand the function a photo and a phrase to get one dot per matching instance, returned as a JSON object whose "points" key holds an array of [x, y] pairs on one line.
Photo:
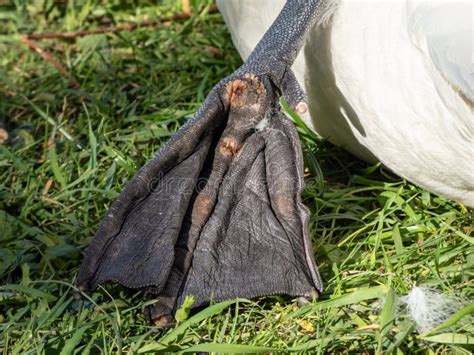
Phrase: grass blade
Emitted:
{"points": [[362, 294], [72, 342], [451, 338], [453, 319], [58, 174], [32, 292], [228, 348], [386, 318]]}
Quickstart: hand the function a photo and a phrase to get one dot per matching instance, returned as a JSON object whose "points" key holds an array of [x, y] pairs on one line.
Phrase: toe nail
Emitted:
{"points": [[302, 107], [3, 136], [163, 321]]}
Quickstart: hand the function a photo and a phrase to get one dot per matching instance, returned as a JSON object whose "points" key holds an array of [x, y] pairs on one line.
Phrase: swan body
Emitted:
{"points": [[388, 81]]}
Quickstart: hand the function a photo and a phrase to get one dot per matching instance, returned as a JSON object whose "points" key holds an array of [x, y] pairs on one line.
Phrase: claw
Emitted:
{"points": [[301, 108]]}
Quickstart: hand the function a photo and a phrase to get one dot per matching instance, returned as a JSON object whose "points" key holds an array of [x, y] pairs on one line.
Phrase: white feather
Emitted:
{"points": [[428, 307], [444, 31], [386, 83]]}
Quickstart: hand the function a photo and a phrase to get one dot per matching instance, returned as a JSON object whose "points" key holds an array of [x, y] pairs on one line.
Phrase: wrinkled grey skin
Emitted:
{"points": [[216, 213]]}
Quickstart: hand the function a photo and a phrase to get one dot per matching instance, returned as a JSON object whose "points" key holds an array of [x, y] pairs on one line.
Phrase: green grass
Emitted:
{"points": [[72, 150]]}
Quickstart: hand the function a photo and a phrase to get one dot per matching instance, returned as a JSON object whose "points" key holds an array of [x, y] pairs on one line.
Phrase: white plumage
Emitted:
{"points": [[387, 80]]}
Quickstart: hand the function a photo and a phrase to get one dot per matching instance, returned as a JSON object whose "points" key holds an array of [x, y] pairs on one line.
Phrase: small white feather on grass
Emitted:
{"points": [[428, 307]]}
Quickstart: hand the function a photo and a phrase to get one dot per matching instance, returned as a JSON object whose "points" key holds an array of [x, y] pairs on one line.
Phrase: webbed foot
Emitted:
{"points": [[216, 213]]}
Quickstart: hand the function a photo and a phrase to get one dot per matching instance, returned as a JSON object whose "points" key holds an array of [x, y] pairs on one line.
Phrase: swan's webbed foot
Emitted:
{"points": [[216, 213]]}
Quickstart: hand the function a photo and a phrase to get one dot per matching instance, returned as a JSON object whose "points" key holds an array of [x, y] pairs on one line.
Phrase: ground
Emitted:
{"points": [[76, 137]]}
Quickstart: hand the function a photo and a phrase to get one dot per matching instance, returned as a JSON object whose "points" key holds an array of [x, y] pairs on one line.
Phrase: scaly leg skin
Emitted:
{"points": [[216, 213]]}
